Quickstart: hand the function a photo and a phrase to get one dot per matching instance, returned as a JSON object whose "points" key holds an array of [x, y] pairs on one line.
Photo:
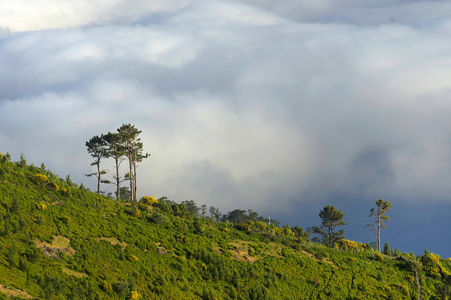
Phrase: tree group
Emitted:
{"points": [[124, 144]]}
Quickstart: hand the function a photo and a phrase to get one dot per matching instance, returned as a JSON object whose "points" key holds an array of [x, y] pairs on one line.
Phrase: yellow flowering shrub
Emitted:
{"points": [[132, 258], [149, 201], [41, 206], [433, 266], [379, 256], [65, 192], [349, 245], [134, 295], [40, 179], [53, 186]]}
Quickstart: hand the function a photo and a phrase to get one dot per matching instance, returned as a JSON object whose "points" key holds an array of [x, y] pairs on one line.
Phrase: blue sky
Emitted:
{"points": [[281, 107]]}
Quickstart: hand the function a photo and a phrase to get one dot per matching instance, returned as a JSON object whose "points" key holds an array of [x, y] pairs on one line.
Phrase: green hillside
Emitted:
{"points": [[61, 241]]}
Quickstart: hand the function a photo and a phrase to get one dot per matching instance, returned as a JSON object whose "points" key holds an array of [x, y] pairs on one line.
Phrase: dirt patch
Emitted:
{"points": [[240, 252], [113, 241], [311, 256], [59, 245], [161, 249], [60, 203], [11, 292], [73, 273]]}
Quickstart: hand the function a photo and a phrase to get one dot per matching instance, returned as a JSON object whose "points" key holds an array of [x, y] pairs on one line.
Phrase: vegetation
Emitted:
{"points": [[381, 218], [124, 143], [331, 218], [74, 244]]}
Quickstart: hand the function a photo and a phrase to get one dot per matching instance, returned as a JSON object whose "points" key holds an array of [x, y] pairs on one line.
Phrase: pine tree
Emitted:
{"points": [[381, 217], [97, 148], [116, 151], [133, 148], [331, 218]]}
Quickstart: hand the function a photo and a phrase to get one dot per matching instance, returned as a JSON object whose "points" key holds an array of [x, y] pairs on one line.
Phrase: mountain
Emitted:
{"points": [[61, 241]]}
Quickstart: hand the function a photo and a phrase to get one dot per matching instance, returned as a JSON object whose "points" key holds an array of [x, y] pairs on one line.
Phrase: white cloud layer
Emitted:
{"points": [[243, 104]]}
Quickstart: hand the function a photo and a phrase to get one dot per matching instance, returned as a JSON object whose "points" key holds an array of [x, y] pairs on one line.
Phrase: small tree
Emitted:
{"points": [[331, 218], [97, 148], [381, 217]]}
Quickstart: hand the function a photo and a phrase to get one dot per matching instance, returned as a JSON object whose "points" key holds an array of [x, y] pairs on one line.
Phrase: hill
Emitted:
{"points": [[61, 241]]}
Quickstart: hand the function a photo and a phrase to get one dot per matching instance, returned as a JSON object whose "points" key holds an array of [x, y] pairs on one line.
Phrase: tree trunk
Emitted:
{"points": [[132, 187], [99, 174], [379, 233], [118, 181], [134, 179]]}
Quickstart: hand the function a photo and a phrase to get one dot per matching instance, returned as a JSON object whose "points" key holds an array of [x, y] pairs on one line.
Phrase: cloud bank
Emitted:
{"points": [[242, 104]]}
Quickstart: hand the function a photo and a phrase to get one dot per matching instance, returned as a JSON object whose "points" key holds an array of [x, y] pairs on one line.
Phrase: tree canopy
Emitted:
{"points": [[124, 144], [331, 218]]}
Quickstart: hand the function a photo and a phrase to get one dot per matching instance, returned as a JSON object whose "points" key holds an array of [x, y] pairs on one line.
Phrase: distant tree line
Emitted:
{"points": [[125, 144]]}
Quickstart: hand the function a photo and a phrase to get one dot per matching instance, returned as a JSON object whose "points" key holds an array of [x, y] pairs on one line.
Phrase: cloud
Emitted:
{"points": [[26, 15]]}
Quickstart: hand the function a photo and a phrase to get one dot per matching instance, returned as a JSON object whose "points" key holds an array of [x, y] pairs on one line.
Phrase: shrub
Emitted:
{"points": [[65, 219], [53, 186], [41, 206], [149, 201], [65, 192], [40, 179], [379, 256], [106, 286], [158, 218], [132, 258], [316, 281], [134, 295]]}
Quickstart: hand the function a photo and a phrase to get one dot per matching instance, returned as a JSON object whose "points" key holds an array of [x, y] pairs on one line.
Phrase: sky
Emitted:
{"points": [[280, 107]]}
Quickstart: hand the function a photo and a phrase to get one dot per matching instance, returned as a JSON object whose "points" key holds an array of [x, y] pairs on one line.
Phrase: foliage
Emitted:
{"points": [[40, 179], [148, 201], [41, 206], [383, 206], [86, 246], [331, 218]]}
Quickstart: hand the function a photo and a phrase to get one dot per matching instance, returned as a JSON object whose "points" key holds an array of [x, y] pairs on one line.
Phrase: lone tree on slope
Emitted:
{"points": [[331, 218], [380, 214]]}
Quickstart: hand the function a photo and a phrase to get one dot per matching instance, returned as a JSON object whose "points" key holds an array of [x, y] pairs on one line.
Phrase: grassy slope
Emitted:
{"points": [[104, 249]]}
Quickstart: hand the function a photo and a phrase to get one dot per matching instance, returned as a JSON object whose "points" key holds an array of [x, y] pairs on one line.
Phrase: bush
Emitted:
{"points": [[379, 256], [53, 186], [149, 201], [158, 218], [40, 179], [134, 295], [65, 219], [132, 258], [41, 206], [106, 286]]}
